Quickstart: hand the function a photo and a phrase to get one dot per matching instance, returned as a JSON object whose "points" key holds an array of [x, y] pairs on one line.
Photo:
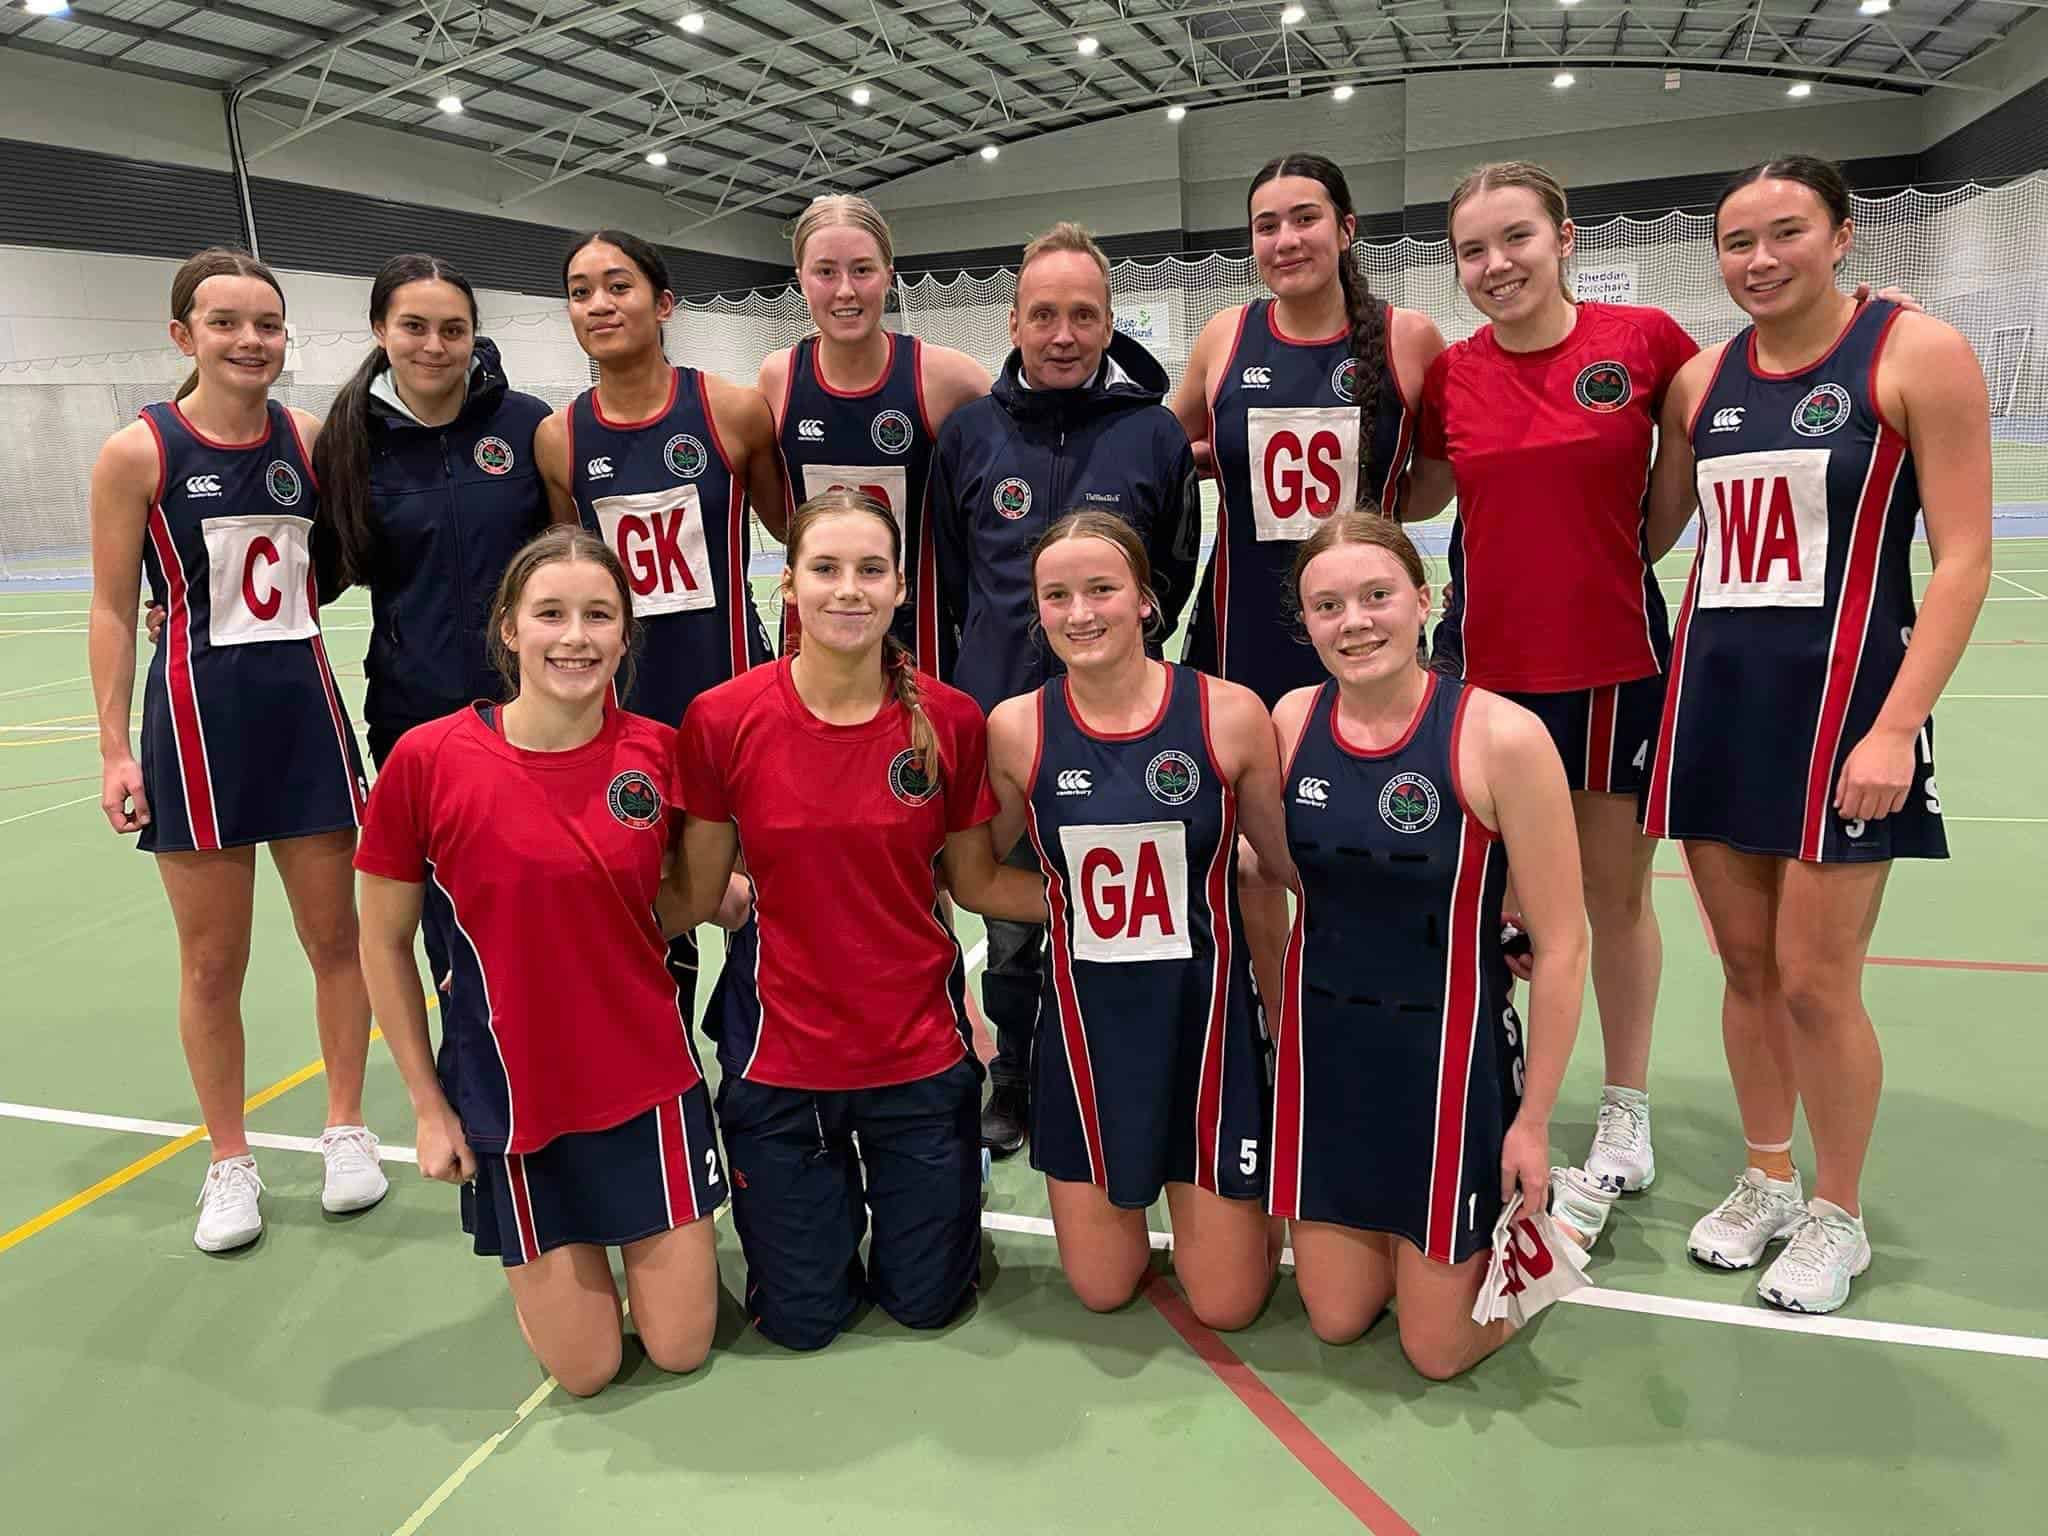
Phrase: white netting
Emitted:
{"points": [[1972, 255]]}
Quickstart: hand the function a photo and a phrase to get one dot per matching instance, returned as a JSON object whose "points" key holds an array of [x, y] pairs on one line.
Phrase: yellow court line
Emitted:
{"points": [[162, 1154]]}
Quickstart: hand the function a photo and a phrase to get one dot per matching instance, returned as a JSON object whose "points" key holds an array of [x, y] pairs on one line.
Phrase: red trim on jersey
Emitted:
{"points": [[1273, 325], [1602, 705], [1037, 747], [569, 447], [1080, 1069], [522, 1206], [792, 625], [1876, 354], [1693, 421], [1414, 724], [1458, 773], [1283, 1191], [188, 731], [1657, 803], [927, 657], [675, 376], [1159, 714], [1219, 560], [1851, 629], [738, 599], [1215, 1037], [357, 799], [672, 1133], [1834, 346], [305, 456], [881, 382], [1460, 1025], [924, 414], [214, 442], [1404, 447]]}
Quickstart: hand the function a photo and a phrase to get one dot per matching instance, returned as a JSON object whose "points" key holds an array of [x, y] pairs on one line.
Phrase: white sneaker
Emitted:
{"points": [[354, 1180], [1827, 1251], [1580, 1203], [1735, 1233], [228, 1213], [1621, 1140]]}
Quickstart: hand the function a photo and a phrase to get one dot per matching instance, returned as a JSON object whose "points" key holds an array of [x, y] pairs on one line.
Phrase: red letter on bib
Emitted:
{"points": [[264, 607], [1103, 899], [1283, 485], [1148, 896]]}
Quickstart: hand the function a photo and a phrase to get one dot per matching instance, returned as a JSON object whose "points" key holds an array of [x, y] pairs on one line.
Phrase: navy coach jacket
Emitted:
{"points": [[449, 507], [1014, 462]]}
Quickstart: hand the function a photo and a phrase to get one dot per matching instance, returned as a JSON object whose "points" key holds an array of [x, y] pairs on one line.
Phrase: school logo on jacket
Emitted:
{"points": [[494, 456], [1344, 380], [1013, 498], [1410, 803], [1173, 778], [908, 781], [685, 455], [634, 800], [282, 481], [1603, 386], [1824, 408], [891, 432]]}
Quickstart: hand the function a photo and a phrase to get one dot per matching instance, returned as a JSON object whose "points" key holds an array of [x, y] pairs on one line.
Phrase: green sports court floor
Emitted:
{"points": [[365, 1374]]}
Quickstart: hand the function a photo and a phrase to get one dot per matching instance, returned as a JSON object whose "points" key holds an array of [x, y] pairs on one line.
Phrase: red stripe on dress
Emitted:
{"points": [[927, 657], [188, 732], [522, 1206], [1215, 1037], [1080, 1070], [1283, 1192], [673, 1133], [1852, 621], [1219, 561], [738, 598], [1390, 488], [1454, 1062], [1600, 718], [1657, 805]]}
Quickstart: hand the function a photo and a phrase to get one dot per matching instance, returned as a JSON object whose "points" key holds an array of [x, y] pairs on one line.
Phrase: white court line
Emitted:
{"points": [[1968, 1341], [60, 805], [1946, 697], [2003, 821], [62, 682], [2001, 576]]}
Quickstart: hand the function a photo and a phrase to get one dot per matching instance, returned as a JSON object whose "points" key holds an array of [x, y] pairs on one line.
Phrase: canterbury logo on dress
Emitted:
{"points": [[598, 469], [203, 485], [1257, 378], [1314, 792], [810, 430], [1727, 419], [1766, 543], [1130, 891], [1075, 781]]}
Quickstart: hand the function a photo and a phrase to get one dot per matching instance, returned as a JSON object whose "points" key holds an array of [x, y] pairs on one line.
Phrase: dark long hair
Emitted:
{"points": [[341, 458], [1365, 319], [1822, 177], [214, 261]]}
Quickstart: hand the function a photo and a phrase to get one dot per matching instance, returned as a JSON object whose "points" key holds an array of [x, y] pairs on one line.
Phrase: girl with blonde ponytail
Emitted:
{"points": [[853, 782]]}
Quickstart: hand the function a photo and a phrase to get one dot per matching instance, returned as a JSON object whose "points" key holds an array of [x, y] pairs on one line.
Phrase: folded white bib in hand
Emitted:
{"points": [[1533, 1264]]}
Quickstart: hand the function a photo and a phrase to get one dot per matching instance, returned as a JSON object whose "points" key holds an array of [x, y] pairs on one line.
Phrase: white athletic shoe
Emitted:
{"points": [[354, 1180], [1827, 1251], [1735, 1233], [1580, 1203], [228, 1212], [1621, 1141]]}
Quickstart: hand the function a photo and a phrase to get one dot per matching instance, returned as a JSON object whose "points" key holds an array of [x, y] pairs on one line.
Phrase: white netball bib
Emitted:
{"points": [[1129, 888], [659, 539], [258, 579], [1533, 1264], [887, 483], [1304, 467], [1766, 516]]}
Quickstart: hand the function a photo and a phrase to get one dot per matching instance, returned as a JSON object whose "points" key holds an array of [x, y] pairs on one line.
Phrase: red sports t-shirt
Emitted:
{"points": [[562, 1015], [842, 839], [1551, 453]]}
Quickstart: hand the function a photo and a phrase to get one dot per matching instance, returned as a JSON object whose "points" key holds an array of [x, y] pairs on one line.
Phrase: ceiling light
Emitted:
{"points": [[1562, 79], [989, 151], [861, 95], [691, 21], [1291, 15], [1567, 2], [1800, 88], [1176, 112], [1874, 7], [452, 105], [1088, 45], [46, 7], [656, 157], [1342, 93]]}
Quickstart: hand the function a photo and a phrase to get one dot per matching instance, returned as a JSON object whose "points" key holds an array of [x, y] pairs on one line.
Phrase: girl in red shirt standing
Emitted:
{"points": [[851, 782], [567, 1100]]}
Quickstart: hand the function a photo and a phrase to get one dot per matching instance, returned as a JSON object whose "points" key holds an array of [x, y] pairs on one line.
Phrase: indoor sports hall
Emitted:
{"points": [[363, 1373]]}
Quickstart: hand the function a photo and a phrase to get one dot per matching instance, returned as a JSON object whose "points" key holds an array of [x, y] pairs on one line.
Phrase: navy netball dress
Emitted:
{"points": [[1399, 1053], [1797, 612], [244, 737], [878, 441], [1157, 1069], [1284, 429], [664, 494]]}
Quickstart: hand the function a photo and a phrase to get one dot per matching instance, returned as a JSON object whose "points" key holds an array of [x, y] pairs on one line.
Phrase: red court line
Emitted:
{"points": [[1322, 1463]]}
